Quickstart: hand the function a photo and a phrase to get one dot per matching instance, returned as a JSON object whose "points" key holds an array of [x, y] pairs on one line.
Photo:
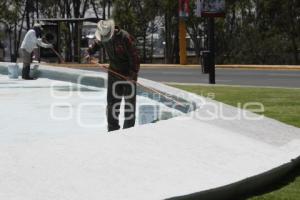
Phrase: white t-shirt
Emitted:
{"points": [[30, 42]]}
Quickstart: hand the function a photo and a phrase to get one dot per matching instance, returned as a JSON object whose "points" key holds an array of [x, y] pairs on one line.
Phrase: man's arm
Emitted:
{"points": [[95, 47], [92, 50], [133, 55], [42, 44]]}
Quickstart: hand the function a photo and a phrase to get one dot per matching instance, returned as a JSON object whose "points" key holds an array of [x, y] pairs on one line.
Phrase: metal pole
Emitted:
{"points": [[211, 44]]}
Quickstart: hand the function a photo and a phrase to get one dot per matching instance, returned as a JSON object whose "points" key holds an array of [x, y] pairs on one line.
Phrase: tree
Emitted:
{"points": [[196, 30], [14, 17], [259, 32], [284, 18], [137, 17]]}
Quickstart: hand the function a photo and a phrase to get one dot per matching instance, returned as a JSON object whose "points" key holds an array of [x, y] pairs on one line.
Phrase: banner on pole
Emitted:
{"points": [[213, 8], [184, 8], [198, 9], [210, 8]]}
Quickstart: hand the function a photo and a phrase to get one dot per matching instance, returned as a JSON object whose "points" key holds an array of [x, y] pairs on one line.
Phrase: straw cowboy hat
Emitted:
{"points": [[105, 30], [37, 25]]}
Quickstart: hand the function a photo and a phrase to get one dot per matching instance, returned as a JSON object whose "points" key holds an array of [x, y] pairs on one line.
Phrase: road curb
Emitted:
{"points": [[260, 67], [226, 85], [166, 66]]}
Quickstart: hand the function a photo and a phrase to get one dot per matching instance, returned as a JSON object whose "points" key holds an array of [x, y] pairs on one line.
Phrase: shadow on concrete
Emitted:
{"points": [[286, 180], [252, 186]]}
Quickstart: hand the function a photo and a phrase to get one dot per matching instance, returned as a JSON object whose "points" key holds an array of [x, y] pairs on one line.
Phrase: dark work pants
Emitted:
{"points": [[26, 71], [27, 59], [118, 88]]}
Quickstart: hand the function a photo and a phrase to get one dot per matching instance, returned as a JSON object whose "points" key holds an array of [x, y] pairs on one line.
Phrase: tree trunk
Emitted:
{"points": [[94, 8], [176, 58], [295, 50], [152, 48], [27, 11], [10, 43], [37, 9], [17, 36], [144, 47], [108, 10], [294, 32], [168, 38], [14, 55]]}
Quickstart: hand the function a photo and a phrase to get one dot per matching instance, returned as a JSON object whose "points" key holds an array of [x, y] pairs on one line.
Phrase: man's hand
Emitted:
{"points": [[91, 59], [132, 76], [87, 57], [49, 45]]}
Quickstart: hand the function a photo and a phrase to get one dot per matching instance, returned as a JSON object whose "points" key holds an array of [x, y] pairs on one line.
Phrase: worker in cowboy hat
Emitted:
{"points": [[124, 60], [29, 44]]}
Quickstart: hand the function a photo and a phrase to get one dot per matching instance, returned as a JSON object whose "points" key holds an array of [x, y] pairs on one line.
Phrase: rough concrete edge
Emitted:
{"points": [[60, 74], [245, 187], [73, 75], [86, 78], [98, 79], [3, 68]]}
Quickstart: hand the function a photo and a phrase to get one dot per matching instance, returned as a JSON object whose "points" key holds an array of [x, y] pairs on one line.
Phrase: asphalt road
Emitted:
{"points": [[270, 78]]}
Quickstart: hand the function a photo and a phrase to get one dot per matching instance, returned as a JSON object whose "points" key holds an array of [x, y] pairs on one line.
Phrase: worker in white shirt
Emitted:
{"points": [[30, 42]]}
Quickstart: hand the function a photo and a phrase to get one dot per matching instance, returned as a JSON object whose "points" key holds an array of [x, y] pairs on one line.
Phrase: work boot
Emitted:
{"points": [[29, 78], [26, 72]]}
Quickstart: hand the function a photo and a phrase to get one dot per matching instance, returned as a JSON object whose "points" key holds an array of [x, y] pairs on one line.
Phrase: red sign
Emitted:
{"points": [[184, 8]]}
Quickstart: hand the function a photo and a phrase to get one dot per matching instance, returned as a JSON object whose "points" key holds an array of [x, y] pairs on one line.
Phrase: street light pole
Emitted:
{"points": [[211, 45]]}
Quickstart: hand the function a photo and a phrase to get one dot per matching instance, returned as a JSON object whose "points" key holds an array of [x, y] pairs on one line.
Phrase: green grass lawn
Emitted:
{"points": [[280, 104]]}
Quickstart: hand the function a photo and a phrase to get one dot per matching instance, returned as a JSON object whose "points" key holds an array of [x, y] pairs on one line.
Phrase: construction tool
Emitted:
{"points": [[135, 82], [62, 60]]}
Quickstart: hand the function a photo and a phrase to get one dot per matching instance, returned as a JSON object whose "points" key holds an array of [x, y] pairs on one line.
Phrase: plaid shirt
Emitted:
{"points": [[121, 50]]}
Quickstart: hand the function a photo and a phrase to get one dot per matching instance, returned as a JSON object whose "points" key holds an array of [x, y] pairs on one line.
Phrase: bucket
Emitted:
{"points": [[148, 114], [13, 71]]}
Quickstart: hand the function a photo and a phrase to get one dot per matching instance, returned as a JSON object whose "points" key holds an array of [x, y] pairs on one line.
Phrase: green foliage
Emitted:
{"points": [[137, 17], [125, 16], [134, 15], [253, 31], [259, 32], [195, 28], [10, 11]]}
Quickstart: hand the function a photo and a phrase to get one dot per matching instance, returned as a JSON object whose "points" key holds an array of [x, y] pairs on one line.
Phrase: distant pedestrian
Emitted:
{"points": [[124, 60], [29, 44]]}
